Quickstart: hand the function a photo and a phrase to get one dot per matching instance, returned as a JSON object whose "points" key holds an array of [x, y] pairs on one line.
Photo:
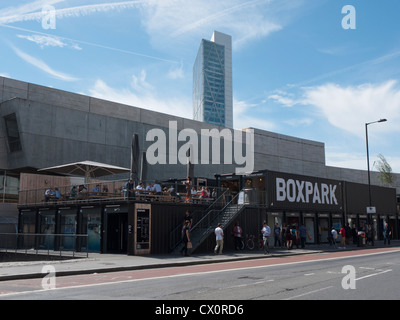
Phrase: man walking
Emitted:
{"points": [[219, 237], [266, 232]]}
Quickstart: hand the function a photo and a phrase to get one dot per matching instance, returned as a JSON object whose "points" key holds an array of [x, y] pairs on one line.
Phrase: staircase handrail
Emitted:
{"points": [[179, 226], [220, 210]]}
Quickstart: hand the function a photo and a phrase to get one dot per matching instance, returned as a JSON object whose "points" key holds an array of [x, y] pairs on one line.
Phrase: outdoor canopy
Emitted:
{"points": [[88, 169]]}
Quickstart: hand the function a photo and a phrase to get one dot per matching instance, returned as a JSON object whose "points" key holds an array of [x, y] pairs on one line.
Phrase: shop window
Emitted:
{"points": [[14, 142]]}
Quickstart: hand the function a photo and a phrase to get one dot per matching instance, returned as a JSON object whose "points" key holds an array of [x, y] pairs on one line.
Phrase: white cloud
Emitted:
{"points": [[349, 108], [48, 41], [140, 94], [140, 84], [176, 73], [285, 99], [24, 13], [242, 117], [299, 122], [15, 14], [245, 21], [43, 66]]}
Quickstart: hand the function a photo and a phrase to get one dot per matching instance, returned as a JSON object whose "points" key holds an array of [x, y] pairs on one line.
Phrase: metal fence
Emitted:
{"points": [[62, 245]]}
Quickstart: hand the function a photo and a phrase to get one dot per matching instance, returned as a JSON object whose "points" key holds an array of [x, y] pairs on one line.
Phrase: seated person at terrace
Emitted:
{"points": [[150, 188], [157, 188], [73, 193], [81, 191], [96, 190], [173, 193], [49, 193], [140, 187], [57, 194]]}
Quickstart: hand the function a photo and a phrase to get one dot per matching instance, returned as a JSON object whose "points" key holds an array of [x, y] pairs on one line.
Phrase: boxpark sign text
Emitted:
{"points": [[305, 193]]}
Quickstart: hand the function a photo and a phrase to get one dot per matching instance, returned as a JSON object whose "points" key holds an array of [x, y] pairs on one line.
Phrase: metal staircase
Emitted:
{"points": [[207, 224]]}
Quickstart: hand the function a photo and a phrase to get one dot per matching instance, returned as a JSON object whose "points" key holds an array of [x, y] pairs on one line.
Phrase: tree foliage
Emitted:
{"points": [[385, 171]]}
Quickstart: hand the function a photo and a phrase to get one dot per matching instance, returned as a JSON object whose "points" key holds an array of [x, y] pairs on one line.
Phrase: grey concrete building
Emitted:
{"points": [[42, 127]]}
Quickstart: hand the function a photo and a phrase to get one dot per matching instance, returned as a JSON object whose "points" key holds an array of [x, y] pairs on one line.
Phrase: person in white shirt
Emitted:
{"points": [[266, 232], [219, 237], [334, 236], [140, 187]]}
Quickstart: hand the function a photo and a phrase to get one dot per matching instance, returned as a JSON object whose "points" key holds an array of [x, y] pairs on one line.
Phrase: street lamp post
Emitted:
{"points": [[369, 173]]}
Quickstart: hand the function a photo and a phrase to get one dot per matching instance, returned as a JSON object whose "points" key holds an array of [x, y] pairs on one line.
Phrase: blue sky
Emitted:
{"points": [[296, 70]]}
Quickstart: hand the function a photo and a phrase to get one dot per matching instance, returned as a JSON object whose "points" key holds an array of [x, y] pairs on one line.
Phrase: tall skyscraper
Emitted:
{"points": [[212, 81]]}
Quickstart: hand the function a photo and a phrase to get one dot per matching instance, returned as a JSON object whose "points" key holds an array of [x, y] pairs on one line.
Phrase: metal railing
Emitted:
{"points": [[62, 245], [73, 193], [175, 236], [106, 191], [203, 226]]}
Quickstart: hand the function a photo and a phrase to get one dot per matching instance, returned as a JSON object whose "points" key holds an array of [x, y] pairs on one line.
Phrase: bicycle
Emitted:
{"points": [[252, 242]]}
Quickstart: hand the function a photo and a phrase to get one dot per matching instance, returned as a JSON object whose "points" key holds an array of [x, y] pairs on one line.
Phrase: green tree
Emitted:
{"points": [[385, 171]]}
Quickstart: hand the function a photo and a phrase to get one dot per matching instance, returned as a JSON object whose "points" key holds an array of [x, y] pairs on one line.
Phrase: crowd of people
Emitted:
{"points": [[76, 193], [129, 190], [288, 236], [363, 235], [155, 188]]}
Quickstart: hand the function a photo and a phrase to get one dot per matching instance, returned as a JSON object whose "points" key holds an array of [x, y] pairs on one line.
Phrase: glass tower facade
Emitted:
{"points": [[212, 82]]}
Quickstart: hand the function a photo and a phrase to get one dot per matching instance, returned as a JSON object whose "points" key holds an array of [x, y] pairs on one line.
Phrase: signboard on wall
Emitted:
{"points": [[290, 191], [371, 210], [142, 229]]}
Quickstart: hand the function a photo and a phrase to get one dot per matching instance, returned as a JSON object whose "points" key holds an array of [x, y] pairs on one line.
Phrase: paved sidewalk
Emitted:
{"points": [[98, 263]]}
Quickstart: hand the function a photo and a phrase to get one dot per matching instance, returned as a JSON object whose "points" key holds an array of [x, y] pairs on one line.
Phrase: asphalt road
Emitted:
{"points": [[367, 274]]}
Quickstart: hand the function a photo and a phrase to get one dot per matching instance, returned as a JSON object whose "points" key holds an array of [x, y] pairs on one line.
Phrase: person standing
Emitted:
{"points": [[289, 240], [348, 234], [185, 237], [303, 235], [277, 235], [370, 235], [342, 237], [295, 236], [283, 235], [266, 232], [334, 236], [354, 233], [188, 184], [237, 234], [188, 217], [387, 234], [219, 237], [129, 191]]}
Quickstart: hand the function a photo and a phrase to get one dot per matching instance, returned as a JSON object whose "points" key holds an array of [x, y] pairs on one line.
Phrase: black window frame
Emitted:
{"points": [[12, 133]]}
